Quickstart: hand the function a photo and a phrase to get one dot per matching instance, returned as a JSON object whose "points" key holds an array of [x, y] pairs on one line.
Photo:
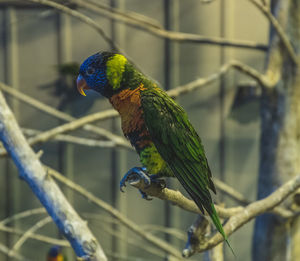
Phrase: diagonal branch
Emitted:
{"points": [[31, 170], [115, 213], [38, 237], [14, 254], [282, 35], [28, 233], [74, 139], [80, 16], [119, 141], [162, 33], [251, 211]]}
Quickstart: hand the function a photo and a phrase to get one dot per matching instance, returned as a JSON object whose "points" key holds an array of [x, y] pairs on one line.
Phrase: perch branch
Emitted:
{"points": [[282, 35], [115, 213], [171, 35], [177, 198], [119, 141], [251, 211], [31, 170]]}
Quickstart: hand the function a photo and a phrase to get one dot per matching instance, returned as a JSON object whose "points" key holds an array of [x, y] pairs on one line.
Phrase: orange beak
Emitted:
{"points": [[82, 85]]}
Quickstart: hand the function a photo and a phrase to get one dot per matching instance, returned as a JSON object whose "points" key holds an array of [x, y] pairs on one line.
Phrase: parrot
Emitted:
{"points": [[54, 254], [156, 126]]}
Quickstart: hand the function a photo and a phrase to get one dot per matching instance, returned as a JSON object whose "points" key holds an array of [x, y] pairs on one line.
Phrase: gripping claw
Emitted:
{"points": [[139, 175], [133, 176]]}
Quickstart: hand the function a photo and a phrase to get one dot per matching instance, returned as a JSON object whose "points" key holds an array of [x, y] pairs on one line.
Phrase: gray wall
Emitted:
{"points": [[34, 40]]}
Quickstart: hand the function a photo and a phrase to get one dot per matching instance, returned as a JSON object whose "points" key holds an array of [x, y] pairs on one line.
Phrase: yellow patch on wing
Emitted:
{"points": [[115, 69]]}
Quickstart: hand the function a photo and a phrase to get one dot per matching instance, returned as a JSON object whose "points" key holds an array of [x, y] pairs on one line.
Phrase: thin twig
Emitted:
{"points": [[24, 214], [134, 242], [237, 196], [119, 141], [282, 35], [151, 228], [231, 192], [81, 17], [28, 233], [38, 237], [133, 16], [14, 254], [171, 35], [74, 139], [115, 213]]}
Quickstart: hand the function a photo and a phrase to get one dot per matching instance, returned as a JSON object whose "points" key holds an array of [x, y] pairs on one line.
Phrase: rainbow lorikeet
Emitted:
{"points": [[156, 126], [55, 254]]}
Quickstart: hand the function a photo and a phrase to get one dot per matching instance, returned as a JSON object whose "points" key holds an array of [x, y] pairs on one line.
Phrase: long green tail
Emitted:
{"points": [[215, 218]]}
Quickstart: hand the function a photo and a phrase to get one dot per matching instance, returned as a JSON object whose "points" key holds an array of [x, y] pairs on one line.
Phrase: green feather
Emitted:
{"points": [[180, 146]]}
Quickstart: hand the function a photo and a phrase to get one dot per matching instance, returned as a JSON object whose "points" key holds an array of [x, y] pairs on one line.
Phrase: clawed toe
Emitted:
{"points": [[139, 178], [135, 176]]}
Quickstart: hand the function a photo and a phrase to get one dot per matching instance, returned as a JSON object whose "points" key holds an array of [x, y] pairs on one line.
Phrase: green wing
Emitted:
{"points": [[180, 146]]}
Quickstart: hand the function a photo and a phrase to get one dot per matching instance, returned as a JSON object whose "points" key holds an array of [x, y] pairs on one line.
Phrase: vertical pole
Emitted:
{"points": [[118, 156], [11, 78], [171, 73], [66, 151], [222, 96]]}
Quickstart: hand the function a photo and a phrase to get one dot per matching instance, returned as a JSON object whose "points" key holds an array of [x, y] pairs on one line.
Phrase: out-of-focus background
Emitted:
{"points": [[37, 42]]}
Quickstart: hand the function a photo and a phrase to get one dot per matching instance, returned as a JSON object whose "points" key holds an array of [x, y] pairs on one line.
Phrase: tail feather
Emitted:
{"points": [[215, 218]]}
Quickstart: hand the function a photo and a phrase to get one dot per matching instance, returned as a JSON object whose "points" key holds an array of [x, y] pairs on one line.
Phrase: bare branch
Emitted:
{"points": [[24, 214], [262, 79], [17, 256], [231, 192], [136, 18], [171, 35], [283, 37], [237, 196], [178, 199], [251, 211], [38, 237], [196, 233], [74, 139], [31, 170], [81, 17], [115, 213], [119, 141], [28, 233]]}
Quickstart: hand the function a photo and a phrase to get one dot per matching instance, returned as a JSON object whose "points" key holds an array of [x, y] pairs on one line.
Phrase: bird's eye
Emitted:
{"points": [[90, 71]]}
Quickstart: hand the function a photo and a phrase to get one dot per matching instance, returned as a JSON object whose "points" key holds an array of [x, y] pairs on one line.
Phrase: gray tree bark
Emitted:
{"points": [[280, 137]]}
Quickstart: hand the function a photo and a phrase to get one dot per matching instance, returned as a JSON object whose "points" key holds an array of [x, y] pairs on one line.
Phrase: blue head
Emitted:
{"points": [[102, 72], [54, 251]]}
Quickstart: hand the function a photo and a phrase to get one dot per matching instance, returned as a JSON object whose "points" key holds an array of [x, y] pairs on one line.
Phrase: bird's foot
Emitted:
{"points": [[139, 178]]}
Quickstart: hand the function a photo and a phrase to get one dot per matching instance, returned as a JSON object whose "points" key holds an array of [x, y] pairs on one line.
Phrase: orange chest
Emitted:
{"points": [[128, 104]]}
